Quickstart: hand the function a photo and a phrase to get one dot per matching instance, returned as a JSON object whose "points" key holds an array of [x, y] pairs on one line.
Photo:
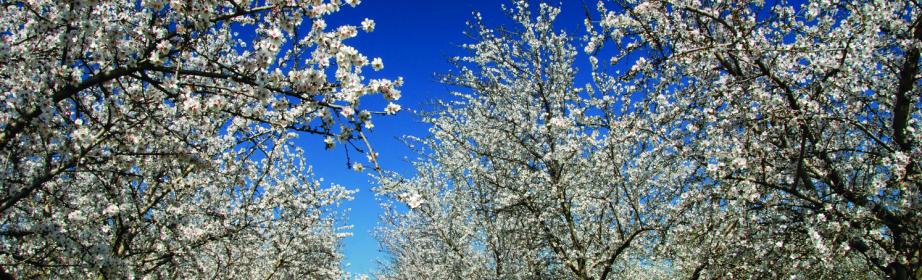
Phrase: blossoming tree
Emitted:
{"points": [[801, 121], [153, 138], [529, 176], [716, 139]]}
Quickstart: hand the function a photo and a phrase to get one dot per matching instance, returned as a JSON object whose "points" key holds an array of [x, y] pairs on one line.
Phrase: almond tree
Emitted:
{"points": [[153, 138], [529, 176], [802, 122]]}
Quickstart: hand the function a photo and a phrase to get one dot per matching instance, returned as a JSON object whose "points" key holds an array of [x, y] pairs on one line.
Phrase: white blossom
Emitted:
{"points": [[377, 64], [368, 25], [392, 108]]}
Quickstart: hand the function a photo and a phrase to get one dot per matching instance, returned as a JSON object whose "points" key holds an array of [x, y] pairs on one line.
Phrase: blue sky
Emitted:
{"points": [[415, 39]]}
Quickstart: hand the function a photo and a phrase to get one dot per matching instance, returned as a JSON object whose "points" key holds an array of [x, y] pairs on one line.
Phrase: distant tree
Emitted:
{"points": [[801, 121], [153, 138], [529, 176]]}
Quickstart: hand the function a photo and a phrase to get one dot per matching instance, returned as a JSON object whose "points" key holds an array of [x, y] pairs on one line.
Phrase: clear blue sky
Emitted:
{"points": [[415, 39]]}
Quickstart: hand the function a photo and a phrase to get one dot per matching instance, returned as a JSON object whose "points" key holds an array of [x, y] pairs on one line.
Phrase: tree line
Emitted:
{"points": [[669, 139]]}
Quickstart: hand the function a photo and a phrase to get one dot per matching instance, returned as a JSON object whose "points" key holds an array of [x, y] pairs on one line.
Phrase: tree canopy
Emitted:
{"points": [[153, 138], [737, 139], [669, 139]]}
